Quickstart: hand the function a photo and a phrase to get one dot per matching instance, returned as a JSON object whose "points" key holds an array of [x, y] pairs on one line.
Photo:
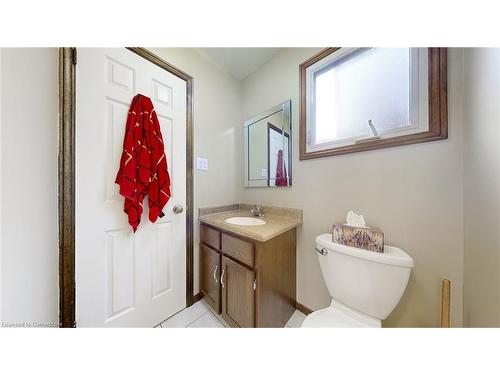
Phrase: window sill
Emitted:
{"points": [[375, 144]]}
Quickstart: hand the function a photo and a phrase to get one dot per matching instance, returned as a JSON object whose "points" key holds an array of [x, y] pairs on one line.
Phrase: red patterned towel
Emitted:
{"points": [[281, 179], [143, 166]]}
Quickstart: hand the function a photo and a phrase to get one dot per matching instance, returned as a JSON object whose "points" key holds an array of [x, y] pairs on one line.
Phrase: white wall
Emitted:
{"points": [[482, 187], [414, 193], [217, 116], [29, 133]]}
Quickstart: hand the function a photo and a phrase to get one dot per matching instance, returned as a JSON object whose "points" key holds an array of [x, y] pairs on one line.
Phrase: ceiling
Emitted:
{"points": [[239, 62]]}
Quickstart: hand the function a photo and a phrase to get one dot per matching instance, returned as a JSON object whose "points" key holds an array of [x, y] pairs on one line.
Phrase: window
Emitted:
{"points": [[357, 99]]}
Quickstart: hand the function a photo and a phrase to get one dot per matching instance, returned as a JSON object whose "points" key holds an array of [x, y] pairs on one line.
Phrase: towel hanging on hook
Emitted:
{"points": [[143, 166]]}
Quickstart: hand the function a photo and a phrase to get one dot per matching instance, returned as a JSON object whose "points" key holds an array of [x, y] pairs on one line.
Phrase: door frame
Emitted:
{"points": [[67, 174]]}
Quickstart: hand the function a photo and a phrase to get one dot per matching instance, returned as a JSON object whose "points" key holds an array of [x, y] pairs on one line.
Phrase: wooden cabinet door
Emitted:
{"points": [[238, 294], [210, 271]]}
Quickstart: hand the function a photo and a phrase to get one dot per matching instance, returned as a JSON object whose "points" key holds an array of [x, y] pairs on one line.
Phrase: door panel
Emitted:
{"points": [[210, 270], [119, 273], [160, 259], [122, 278], [238, 295]]}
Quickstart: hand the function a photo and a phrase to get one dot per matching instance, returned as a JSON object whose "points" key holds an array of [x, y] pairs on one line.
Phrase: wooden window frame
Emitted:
{"points": [[438, 109]]}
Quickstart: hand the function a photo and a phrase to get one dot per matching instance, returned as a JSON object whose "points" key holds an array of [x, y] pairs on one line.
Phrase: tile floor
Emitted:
{"points": [[200, 315]]}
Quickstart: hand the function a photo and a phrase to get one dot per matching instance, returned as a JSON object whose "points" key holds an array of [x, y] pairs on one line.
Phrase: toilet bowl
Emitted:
{"points": [[365, 286]]}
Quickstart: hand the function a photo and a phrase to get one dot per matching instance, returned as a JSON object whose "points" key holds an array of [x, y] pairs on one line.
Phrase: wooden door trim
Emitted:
{"points": [[67, 174]]}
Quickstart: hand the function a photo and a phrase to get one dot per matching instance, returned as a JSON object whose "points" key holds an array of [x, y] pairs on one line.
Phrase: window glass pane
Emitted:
{"points": [[370, 85]]}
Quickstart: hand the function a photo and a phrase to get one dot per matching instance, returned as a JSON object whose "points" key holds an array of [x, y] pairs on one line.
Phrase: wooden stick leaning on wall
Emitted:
{"points": [[445, 303]]}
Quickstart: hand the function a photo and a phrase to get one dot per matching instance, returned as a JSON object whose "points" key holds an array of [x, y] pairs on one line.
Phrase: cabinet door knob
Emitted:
{"points": [[215, 273], [222, 278], [178, 209]]}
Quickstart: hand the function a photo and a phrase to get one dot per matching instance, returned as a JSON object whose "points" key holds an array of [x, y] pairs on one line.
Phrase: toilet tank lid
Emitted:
{"points": [[391, 255]]}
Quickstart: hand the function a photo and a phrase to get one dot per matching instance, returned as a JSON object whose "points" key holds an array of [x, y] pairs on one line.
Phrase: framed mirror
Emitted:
{"points": [[268, 148]]}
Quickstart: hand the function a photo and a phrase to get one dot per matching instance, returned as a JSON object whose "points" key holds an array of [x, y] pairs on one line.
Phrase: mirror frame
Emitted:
{"points": [[259, 117]]}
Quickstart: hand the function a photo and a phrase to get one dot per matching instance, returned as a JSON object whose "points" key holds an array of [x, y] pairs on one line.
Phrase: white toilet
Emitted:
{"points": [[365, 285]]}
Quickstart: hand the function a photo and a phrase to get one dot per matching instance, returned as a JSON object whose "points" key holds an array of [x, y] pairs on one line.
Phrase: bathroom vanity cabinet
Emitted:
{"points": [[251, 283]]}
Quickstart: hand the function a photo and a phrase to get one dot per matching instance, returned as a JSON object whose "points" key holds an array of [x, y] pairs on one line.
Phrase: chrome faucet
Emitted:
{"points": [[257, 211]]}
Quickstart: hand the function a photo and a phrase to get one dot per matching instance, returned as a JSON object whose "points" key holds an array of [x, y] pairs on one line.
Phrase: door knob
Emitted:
{"points": [[178, 209]]}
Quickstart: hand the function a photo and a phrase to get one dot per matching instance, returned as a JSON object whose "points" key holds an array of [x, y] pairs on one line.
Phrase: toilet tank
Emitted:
{"points": [[370, 282]]}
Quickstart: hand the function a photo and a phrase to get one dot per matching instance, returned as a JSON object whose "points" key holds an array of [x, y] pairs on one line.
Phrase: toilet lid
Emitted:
{"points": [[332, 318]]}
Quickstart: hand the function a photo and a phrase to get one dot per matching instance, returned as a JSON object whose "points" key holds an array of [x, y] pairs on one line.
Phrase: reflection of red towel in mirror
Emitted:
{"points": [[281, 179]]}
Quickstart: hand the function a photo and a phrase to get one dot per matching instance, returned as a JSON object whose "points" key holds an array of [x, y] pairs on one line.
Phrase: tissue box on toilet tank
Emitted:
{"points": [[368, 238]]}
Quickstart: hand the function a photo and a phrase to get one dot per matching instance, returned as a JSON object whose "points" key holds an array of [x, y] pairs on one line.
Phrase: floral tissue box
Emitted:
{"points": [[364, 238]]}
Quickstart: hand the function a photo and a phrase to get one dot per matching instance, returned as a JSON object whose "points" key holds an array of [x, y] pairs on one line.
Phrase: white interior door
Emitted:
{"points": [[126, 279]]}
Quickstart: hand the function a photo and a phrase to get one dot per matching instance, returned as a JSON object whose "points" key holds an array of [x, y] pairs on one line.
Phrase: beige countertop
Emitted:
{"points": [[278, 220]]}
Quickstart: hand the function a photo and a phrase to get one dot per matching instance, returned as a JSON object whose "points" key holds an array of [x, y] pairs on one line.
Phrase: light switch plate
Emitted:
{"points": [[202, 164]]}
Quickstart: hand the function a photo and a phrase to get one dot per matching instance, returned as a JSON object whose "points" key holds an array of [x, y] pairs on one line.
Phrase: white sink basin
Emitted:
{"points": [[243, 220]]}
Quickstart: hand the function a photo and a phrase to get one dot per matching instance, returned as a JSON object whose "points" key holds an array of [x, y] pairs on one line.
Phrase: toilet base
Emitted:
{"points": [[338, 315]]}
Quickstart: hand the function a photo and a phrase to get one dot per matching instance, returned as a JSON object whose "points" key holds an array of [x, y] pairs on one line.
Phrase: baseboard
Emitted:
{"points": [[303, 309], [198, 296]]}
